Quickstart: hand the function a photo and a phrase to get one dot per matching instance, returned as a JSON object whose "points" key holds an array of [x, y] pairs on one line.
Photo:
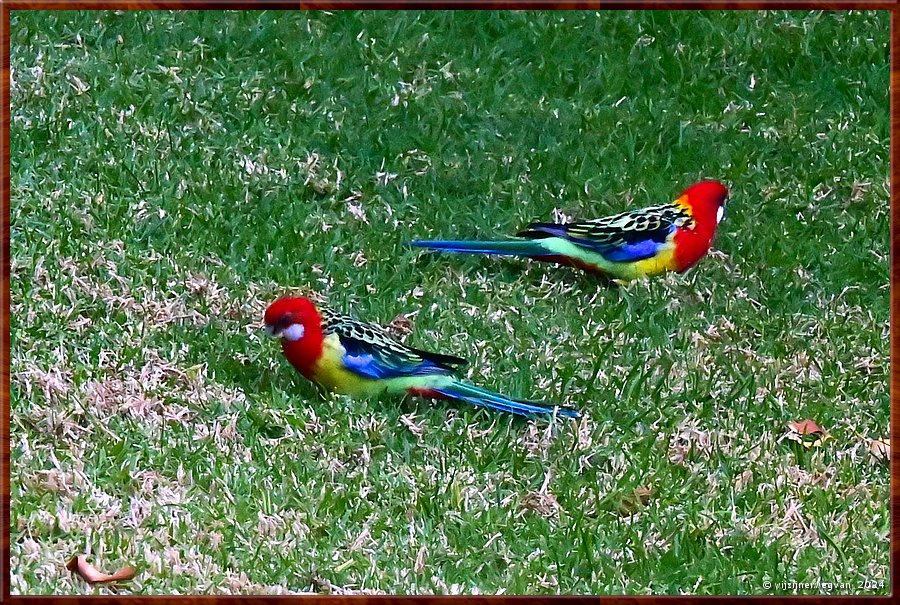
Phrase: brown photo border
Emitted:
{"points": [[8, 5]]}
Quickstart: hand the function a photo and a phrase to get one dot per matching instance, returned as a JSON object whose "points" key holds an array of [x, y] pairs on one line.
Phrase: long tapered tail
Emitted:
{"points": [[495, 401], [530, 248]]}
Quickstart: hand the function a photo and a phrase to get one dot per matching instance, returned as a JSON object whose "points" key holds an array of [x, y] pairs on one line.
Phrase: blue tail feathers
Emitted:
{"points": [[520, 407], [504, 247]]}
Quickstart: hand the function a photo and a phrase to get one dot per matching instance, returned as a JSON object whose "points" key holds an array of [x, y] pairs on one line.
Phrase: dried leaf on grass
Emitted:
{"points": [[92, 575], [543, 503], [880, 448], [807, 433], [635, 500], [416, 429], [400, 326], [324, 585], [805, 427], [421, 557], [743, 480]]}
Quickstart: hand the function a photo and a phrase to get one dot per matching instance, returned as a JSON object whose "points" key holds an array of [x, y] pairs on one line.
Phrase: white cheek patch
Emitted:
{"points": [[720, 214], [293, 333]]}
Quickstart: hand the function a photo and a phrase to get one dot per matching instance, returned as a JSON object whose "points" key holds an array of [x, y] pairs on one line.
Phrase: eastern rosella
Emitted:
{"points": [[625, 246], [348, 356]]}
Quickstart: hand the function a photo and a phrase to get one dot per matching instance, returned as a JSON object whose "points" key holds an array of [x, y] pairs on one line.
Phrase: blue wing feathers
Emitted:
{"points": [[370, 361], [370, 366], [632, 252]]}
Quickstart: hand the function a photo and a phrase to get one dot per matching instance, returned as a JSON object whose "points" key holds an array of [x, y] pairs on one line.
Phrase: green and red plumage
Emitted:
{"points": [[625, 246], [348, 356]]}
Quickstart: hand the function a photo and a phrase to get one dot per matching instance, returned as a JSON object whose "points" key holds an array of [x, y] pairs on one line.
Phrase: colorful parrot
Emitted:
{"points": [[359, 359], [623, 247]]}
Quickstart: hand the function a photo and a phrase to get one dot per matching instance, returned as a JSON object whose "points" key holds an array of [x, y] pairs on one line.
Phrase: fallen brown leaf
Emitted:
{"points": [[807, 433], [880, 448], [400, 326], [805, 427], [543, 503], [634, 501], [421, 557], [92, 575], [743, 480]]}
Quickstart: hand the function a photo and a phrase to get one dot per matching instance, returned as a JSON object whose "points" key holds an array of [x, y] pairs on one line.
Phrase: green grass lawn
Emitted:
{"points": [[172, 173]]}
